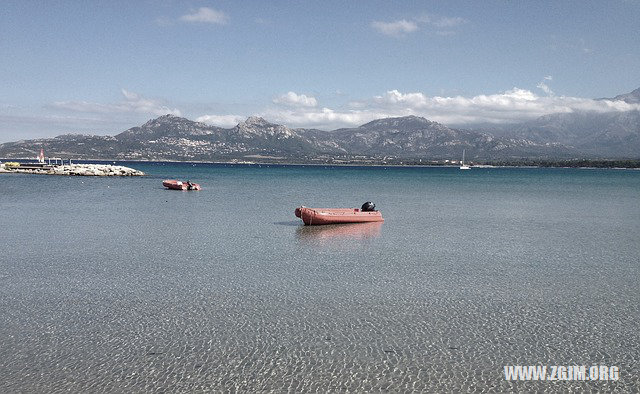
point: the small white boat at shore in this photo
(462, 165)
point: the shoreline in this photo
(633, 164)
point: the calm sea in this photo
(118, 285)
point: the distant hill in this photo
(174, 138)
(589, 134)
(611, 135)
(415, 137)
(168, 137)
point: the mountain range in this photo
(591, 134)
(168, 137)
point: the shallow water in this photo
(115, 284)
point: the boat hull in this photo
(174, 184)
(320, 216)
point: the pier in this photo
(69, 169)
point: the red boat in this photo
(180, 185)
(315, 216)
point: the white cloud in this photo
(445, 25)
(296, 100)
(221, 120)
(357, 104)
(394, 97)
(514, 105)
(448, 22)
(140, 104)
(395, 29)
(511, 106)
(132, 102)
(298, 110)
(206, 15)
(545, 88)
(325, 118)
(322, 117)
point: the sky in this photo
(102, 67)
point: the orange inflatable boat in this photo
(180, 185)
(316, 216)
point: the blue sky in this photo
(102, 67)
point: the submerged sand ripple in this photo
(113, 290)
(230, 339)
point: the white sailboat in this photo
(462, 165)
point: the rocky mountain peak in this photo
(164, 120)
(255, 125)
(166, 125)
(169, 116)
(632, 98)
(256, 121)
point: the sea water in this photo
(118, 285)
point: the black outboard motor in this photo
(368, 207)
